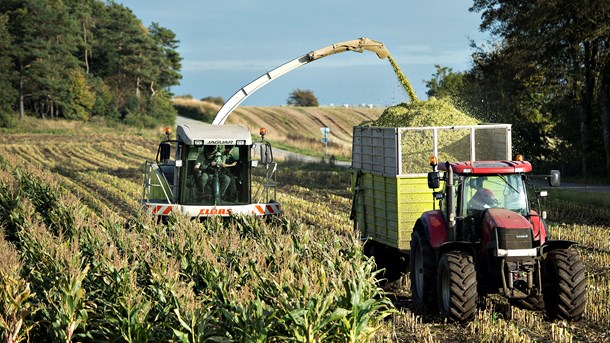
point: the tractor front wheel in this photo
(457, 286)
(564, 294)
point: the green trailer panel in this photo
(388, 207)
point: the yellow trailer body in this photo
(389, 207)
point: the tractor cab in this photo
(211, 170)
(481, 185)
(472, 188)
(495, 184)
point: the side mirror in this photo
(554, 178)
(266, 153)
(164, 152)
(434, 180)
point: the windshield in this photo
(215, 175)
(494, 191)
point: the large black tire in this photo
(422, 266)
(457, 286)
(565, 285)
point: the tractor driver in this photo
(208, 164)
(483, 197)
(230, 163)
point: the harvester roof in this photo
(488, 167)
(213, 134)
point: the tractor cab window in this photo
(494, 191)
(216, 175)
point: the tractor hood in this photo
(505, 219)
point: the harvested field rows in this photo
(73, 235)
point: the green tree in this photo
(302, 97)
(167, 58)
(79, 98)
(8, 95)
(218, 100)
(560, 50)
(122, 45)
(43, 53)
(445, 83)
(85, 13)
(135, 62)
(77, 58)
(105, 104)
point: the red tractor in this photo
(484, 238)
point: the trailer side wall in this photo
(387, 207)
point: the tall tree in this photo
(167, 58)
(7, 93)
(559, 46)
(68, 57)
(445, 82)
(125, 57)
(43, 51)
(302, 97)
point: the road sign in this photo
(325, 139)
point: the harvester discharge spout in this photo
(357, 45)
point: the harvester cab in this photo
(211, 170)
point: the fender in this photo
(459, 246)
(539, 227)
(555, 244)
(435, 227)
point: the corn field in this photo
(80, 262)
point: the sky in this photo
(227, 44)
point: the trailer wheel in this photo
(564, 294)
(387, 261)
(457, 286)
(422, 265)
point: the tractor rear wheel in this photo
(422, 266)
(564, 295)
(457, 286)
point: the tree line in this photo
(80, 58)
(546, 70)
